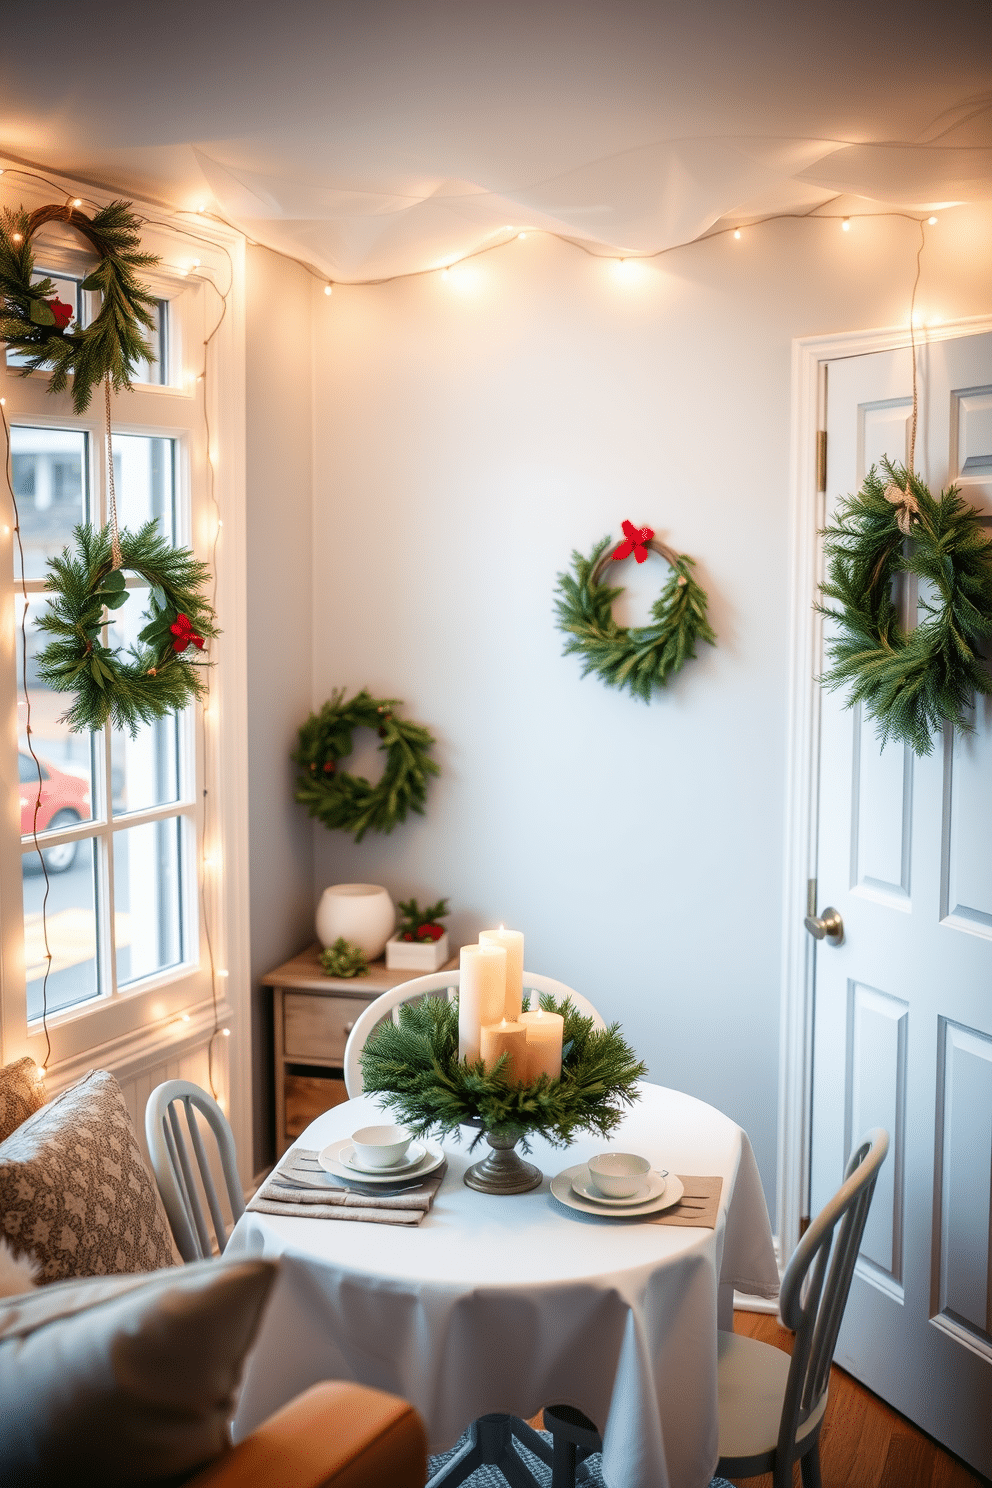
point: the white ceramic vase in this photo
(362, 913)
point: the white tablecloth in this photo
(511, 1304)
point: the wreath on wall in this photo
(349, 803)
(640, 658)
(910, 682)
(36, 322)
(162, 673)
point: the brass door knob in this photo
(828, 926)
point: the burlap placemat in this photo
(698, 1206)
(299, 1188)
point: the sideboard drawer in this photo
(318, 1027)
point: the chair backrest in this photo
(173, 1159)
(816, 1284)
(388, 1006)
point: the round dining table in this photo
(512, 1303)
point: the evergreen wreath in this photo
(910, 682)
(160, 677)
(640, 658)
(35, 321)
(413, 1065)
(349, 803)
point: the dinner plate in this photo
(330, 1160)
(414, 1154)
(561, 1187)
(652, 1188)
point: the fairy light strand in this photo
(8, 471)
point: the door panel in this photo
(902, 1032)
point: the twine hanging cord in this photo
(908, 506)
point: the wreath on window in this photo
(163, 673)
(36, 322)
(910, 682)
(349, 803)
(640, 658)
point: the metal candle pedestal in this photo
(503, 1171)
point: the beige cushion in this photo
(75, 1193)
(125, 1379)
(21, 1094)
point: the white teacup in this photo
(618, 1175)
(380, 1146)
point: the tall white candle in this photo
(512, 942)
(481, 993)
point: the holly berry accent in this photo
(61, 313)
(422, 924)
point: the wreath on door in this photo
(910, 681)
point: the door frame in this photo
(810, 356)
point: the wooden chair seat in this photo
(751, 1381)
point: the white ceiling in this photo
(377, 137)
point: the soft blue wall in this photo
(469, 434)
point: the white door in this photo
(903, 1006)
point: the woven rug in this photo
(491, 1477)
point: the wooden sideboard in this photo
(312, 1016)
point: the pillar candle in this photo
(545, 1032)
(506, 1038)
(481, 994)
(512, 942)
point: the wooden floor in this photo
(864, 1442)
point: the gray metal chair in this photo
(771, 1405)
(183, 1170)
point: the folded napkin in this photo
(300, 1188)
(698, 1206)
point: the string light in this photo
(737, 233)
(932, 221)
(226, 1032)
(78, 202)
(328, 289)
(846, 225)
(521, 236)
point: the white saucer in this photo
(652, 1188)
(330, 1160)
(561, 1187)
(414, 1154)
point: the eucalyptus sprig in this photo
(413, 1066)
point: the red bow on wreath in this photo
(184, 633)
(637, 539)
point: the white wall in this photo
(469, 434)
(280, 641)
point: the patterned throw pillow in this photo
(21, 1094)
(75, 1193)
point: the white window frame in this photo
(174, 1005)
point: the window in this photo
(118, 820)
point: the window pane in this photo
(148, 892)
(71, 914)
(50, 483)
(67, 290)
(146, 769)
(155, 371)
(144, 481)
(67, 760)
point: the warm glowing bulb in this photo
(220, 521)
(846, 225)
(521, 236)
(328, 289)
(737, 233)
(224, 972)
(932, 221)
(16, 237)
(201, 209)
(3, 402)
(6, 531)
(226, 1032)
(78, 202)
(185, 1018)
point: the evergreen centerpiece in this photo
(413, 1066)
